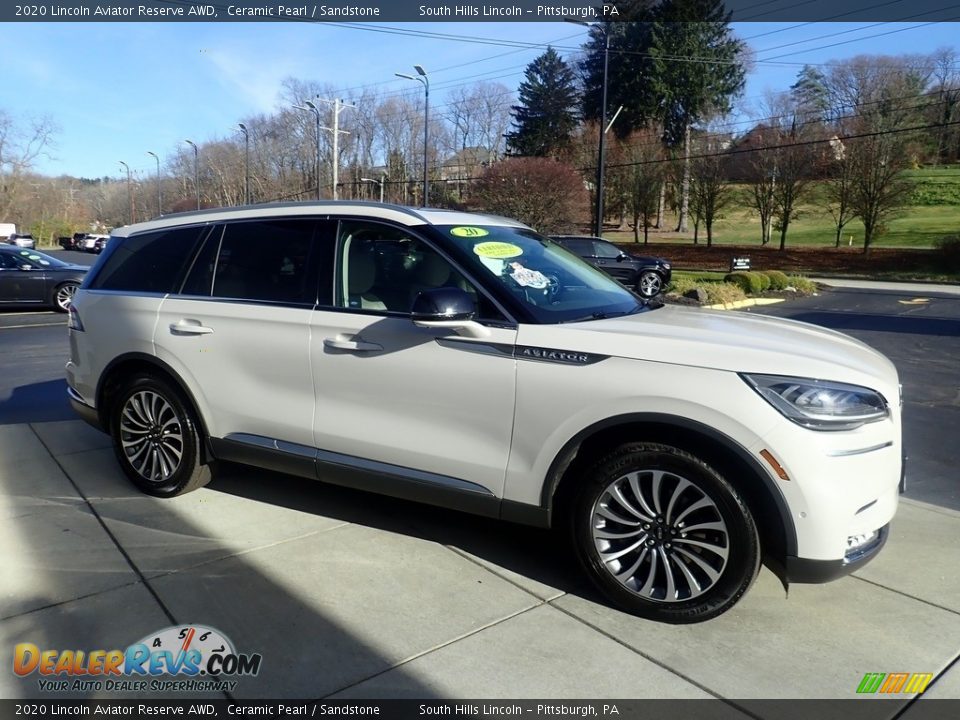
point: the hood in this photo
(725, 340)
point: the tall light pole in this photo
(196, 168)
(310, 107)
(338, 106)
(159, 196)
(129, 189)
(246, 163)
(424, 79)
(379, 182)
(598, 209)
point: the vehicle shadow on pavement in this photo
(539, 560)
(36, 403)
(91, 563)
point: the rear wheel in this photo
(63, 296)
(155, 438)
(663, 535)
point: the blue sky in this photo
(118, 90)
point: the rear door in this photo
(240, 328)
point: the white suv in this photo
(466, 361)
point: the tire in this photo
(649, 284)
(664, 536)
(156, 438)
(63, 295)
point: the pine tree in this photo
(547, 114)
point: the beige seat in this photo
(361, 276)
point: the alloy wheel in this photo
(660, 536)
(151, 436)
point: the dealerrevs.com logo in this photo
(187, 658)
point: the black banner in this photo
(918, 11)
(855, 709)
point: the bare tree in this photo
(710, 191)
(883, 94)
(19, 149)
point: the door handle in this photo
(339, 343)
(189, 327)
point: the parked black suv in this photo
(648, 275)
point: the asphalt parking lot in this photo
(347, 594)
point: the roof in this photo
(383, 211)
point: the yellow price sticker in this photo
(498, 250)
(468, 232)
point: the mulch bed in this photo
(810, 260)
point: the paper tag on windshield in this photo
(525, 277)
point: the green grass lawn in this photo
(935, 213)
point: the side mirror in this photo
(447, 307)
(622, 256)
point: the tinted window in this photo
(605, 250)
(150, 263)
(579, 247)
(384, 268)
(265, 261)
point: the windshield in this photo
(38, 259)
(552, 283)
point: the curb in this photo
(743, 303)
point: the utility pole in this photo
(338, 106)
(129, 189)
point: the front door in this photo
(423, 404)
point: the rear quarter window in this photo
(152, 262)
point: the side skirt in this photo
(373, 476)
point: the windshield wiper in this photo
(598, 316)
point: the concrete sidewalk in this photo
(920, 288)
(347, 594)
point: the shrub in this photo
(748, 282)
(722, 293)
(764, 281)
(948, 248)
(802, 284)
(778, 280)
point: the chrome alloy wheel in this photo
(650, 284)
(64, 296)
(151, 436)
(660, 536)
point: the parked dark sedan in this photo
(647, 275)
(28, 277)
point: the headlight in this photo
(820, 404)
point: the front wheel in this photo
(649, 284)
(663, 535)
(156, 439)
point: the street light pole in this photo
(598, 208)
(424, 79)
(129, 189)
(310, 107)
(246, 163)
(378, 182)
(196, 168)
(159, 196)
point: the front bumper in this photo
(803, 570)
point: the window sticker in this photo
(465, 231)
(525, 277)
(497, 250)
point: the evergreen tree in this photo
(810, 94)
(547, 114)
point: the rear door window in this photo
(152, 262)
